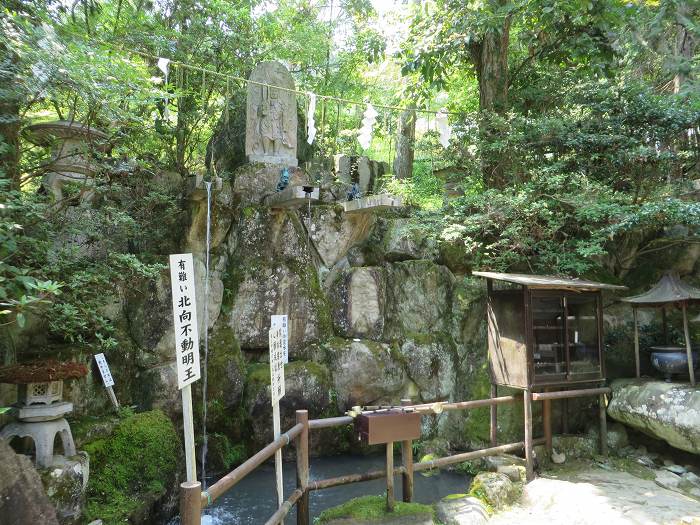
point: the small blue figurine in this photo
(354, 192)
(284, 179)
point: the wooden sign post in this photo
(186, 346)
(278, 343)
(107, 379)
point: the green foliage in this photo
(130, 467)
(372, 508)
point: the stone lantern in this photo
(71, 144)
(40, 409)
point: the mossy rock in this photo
(133, 470)
(372, 509)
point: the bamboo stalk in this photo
(236, 475)
(190, 503)
(527, 406)
(351, 478)
(284, 509)
(493, 429)
(302, 445)
(315, 424)
(603, 425)
(407, 462)
(390, 476)
(636, 340)
(565, 394)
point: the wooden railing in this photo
(193, 500)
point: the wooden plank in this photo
(547, 423)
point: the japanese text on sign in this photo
(185, 319)
(101, 361)
(281, 320)
(276, 336)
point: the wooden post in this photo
(407, 460)
(188, 429)
(190, 503)
(547, 423)
(603, 425)
(527, 406)
(302, 444)
(636, 340)
(390, 476)
(688, 348)
(494, 416)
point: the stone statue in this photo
(271, 123)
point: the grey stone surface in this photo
(667, 411)
(65, 483)
(496, 488)
(23, 500)
(430, 364)
(334, 233)
(594, 496)
(271, 125)
(465, 510)
(358, 297)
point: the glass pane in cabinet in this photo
(583, 334)
(548, 330)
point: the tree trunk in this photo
(405, 141)
(684, 49)
(490, 58)
(9, 118)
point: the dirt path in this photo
(594, 496)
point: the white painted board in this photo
(282, 320)
(185, 319)
(101, 361)
(276, 336)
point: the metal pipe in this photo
(236, 475)
(565, 394)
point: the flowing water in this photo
(254, 500)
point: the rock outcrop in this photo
(22, 496)
(667, 411)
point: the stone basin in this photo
(672, 359)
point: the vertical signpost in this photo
(186, 346)
(281, 320)
(107, 379)
(278, 345)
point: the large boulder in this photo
(430, 364)
(460, 509)
(65, 483)
(495, 489)
(271, 271)
(308, 387)
(667, 411)
(22, 496)
(358, 298)
(333, 232)
(419, 299)
(406, 239)
(365, 373)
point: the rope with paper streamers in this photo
(165, 63)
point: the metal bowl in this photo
(670, 360)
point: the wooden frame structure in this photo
(534, 328)
(193, 500)
(669, 291)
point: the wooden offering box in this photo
(376, 428)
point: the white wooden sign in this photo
(101, 361)
(185, 319)
(276, 341)
(281, 320)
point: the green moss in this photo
(477, 491)
(372, 508)
(259, 373)
(451, 497)
(633, 467)
(132, 467)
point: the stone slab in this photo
(372, 203)
(292, 197)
